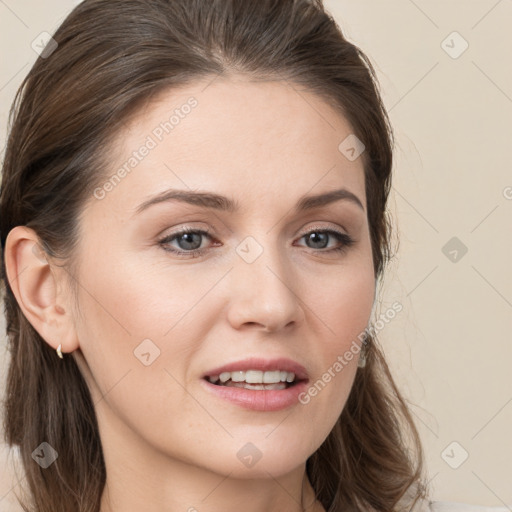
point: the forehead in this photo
(257, 141)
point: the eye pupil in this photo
(319, 237)
(189, 239)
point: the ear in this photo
(37, 285)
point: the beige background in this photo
(450, 348)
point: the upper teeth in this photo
(254, 377)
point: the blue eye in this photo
(322, 235)
(189, 237)
(190, 240)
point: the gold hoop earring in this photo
(59, 352)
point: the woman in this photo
(193, 229)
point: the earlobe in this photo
(35, 285)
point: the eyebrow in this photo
(223, 203)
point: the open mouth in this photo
(255, 379)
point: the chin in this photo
(262, 458)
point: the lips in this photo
(253, 383)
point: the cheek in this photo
(342, 313)
(129, 301)
(343, 303)
(120, 312)
(351, 307)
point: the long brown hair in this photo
(111, 57)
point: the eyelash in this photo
(346, 240)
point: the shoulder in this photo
(454, 506)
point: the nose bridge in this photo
(264, 285)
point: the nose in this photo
(264, 293)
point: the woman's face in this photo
(258, 295)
